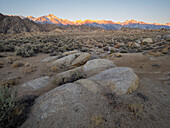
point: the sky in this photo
(152, 11)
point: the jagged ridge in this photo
(51, 19)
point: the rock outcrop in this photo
(80, 101)
(70, 106)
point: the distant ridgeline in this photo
(18, 24)
(51, 19)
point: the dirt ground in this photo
(147, 107)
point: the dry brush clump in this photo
(27, 45)
(7, 105)
(1, 65)
(12, 59)
(17, 64)
(26, 50)
(10, 82)
(13, 111)
(30, 69)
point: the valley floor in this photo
(146, 107)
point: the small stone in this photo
(137, 45)
(147, 40)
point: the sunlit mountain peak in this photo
(52, 19)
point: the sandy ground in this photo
(154, 83)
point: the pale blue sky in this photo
(116, 10)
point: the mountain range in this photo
(52, 19)
(18, 24)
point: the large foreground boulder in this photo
(84, 103)
(83, 71)
(121, 80)
(70, 106)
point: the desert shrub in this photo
(123, 51)
(1, 48)
(106, 49)
(136, 108)
(47, 47)
(14, 111)
(9, 48)
(9, 82)
(30, 69)
(7, 105)
(26, 50)
(1, 65)
(54, 68)
(77, 75)
(84, 50)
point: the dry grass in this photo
(9, 82)
(54, 68)
(30, 69)
(17, 64)
(12, 59)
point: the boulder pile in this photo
(79, 100)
